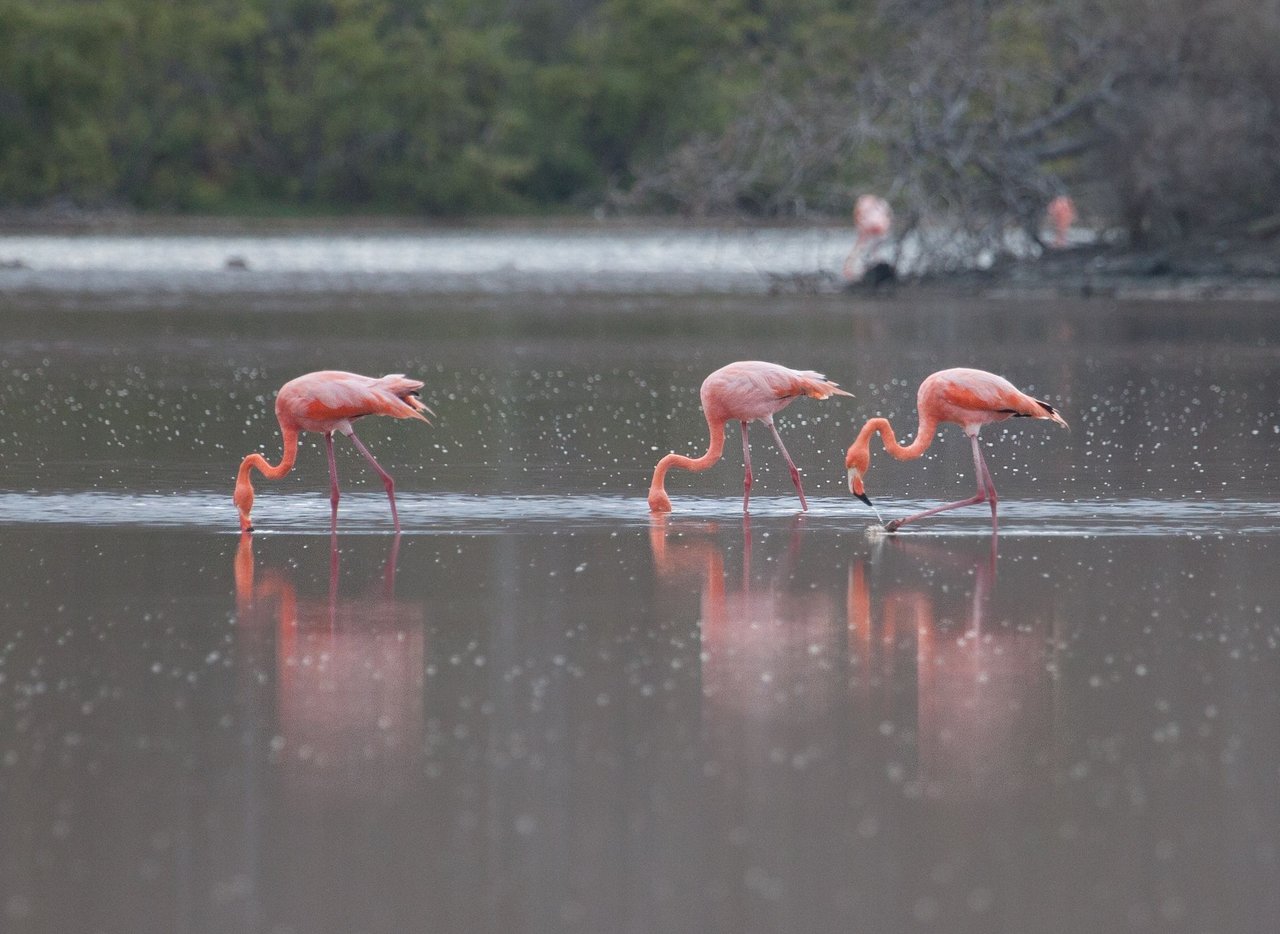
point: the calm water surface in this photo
(540, 709)
(599, 259)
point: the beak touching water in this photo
(855, 486)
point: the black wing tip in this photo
(1040, 402)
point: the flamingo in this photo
(329, 401)
(968, 398)
(1062, 214)
(873, 217)
(746, 391)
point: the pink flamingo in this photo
(1062, 214)
(872, 217)
(329, 401)
(970, 399)
(747, 391)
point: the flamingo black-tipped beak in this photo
(855, 486)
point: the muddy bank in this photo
(1243, 268)
(115, 252)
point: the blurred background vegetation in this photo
(1161, 116)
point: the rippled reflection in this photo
(759, 639)
(983, 700)
(348, 676)
(922, 660)
(561, 717)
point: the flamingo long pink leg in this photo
(333, 576)
(746, 466)
(795, 474)
(986, 490)
(333, 480)
(988, 483)
(387, 481)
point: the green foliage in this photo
(61, 67)
(442, 106)
(764, 106)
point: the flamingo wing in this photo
(970, 396)
(752, 390)
(331, 396)
(328, 398)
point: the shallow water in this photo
(538, 708)
(582, 260)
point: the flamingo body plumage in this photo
(966, 397)
(327, 401)
(746, 391)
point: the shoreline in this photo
(1236, 269)
(1241, 267)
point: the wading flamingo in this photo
(329, 401)
(872, 217)
(746, 391)
(970, 399)
(1062, 214)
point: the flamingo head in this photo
(856, 462)
(243, 498)
(659, 502)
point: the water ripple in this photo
(658, 260)
(427, 513)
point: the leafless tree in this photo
(1165, 114)
(1190, 140)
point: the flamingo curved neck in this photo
(715, 448)
(243, 497)
(924, 437)
(287, 459)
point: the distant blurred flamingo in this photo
(968, 398)
(1062, 214)
(329, 401)
(747, 391)
(872, 217)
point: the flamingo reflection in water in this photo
(884, 680)
(348, 676)
(773, 712)
(758, 639)
(903, 663)
(983, 705)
